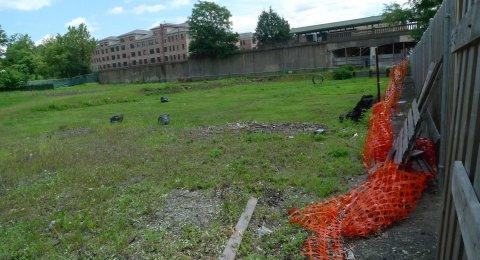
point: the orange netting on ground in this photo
(388, 195)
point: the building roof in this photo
(135, 32)
(245, 35)
(338, 25)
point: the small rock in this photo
(51, 225)
(164, 99)
(319, 131)
(290, 137)
(116, 119)
(404, 252)
(262, 231)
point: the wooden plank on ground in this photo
(467, 207)
(234, 242)
(416, 113)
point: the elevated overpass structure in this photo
(353, 42)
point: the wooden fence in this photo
(453, 39)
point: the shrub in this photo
(342, 73)
(348, 67)
(12, 79)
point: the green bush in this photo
(12, 79)
(348, 67)
(342, 73)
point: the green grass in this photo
(74, 185)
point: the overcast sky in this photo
(41, 18)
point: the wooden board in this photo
(234, 242)
(467, 208)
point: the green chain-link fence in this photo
(58, 83)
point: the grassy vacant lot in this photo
(74, 185)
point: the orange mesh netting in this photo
(388, 195)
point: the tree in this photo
(271, 28)
(419, 11)
(211, 31)
(20, 55)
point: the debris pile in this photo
(388, 195)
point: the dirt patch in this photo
(288, 129)
(183, 207)
(71, 132)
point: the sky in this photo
(44, 18)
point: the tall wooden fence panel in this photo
(453, 38)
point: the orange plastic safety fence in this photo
(388, 195)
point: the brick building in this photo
(161, 44)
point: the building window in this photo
(103, 52)
(144, 52)
(131, 38)
(106, 50)
(152, 51)
(143, 44)
(114, 65)
(178, 56)
(139, 53)
(159, 59)
(165, 49)
(132, 46)
(119, 64)
(113, 57)
(169, 48)
(132, 54)
(125, 64)
(118, 56)
(171, 57)
(108, 65)
(166, 58)
(145, 61)
(183, 46)
(122, 40)
(158, 50)
(103, 58)
(124, 55)
(117, 48)
(123, 47)
(152, 60)
(134, 62)
(181, 36)
(140, 62)
(108, 58)
(184, 56)
(112, 49)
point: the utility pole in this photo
(378, 74)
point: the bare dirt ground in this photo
(289, 129)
